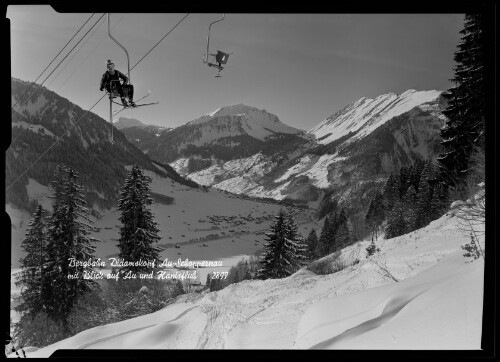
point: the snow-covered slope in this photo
(365, 115)
(437, 304)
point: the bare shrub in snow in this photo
(383, 269)
(472, 212)
(329, 265)
(472, 249)
(372, 249)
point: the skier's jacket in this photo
(107, 78)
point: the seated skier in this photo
(221, 58)
(114, 75)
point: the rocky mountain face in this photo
(83, 143)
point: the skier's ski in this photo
(136, 106)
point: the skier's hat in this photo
(108, 62)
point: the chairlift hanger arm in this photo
(208, 37)
(121, 46)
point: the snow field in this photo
(437, 304)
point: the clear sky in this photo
(300, 67)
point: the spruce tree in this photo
(285, 249)
(396, 223)
(296, 247)
(275, 239)
(31, 276)
(375, 215)
(342, 234)
(333, 225)
(391, 191)
(138, 231)
(410, 209)
(55, 244)
(464, 127)
(312, 244)
(324, 239)
(417, 169)
(423, 214)
(439, 200)
(69, 242)
(404, 181)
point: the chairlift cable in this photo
(15, 139)
(73, 56)
(154, 46)
(32, 83)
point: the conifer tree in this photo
(138, 231)
(342, 234)
(396, 223)
(331, 238)
(324, 239)
(275, 239)
(55, 239)
(391, 192)
(375, 215)
(415, 174)
(464, 127)
(423, 207)
(410, 209)
(296, 245)
(285, 248)
(312, 244)
(404, 181)
(439, 198)
(30, 281)
(68, 240)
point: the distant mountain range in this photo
(240, 149)
(347, 156)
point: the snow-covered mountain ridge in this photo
(365, 115)
(437, 304)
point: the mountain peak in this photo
(244, 119)
(236, 109)
(124, 122)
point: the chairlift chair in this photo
(220, 57)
